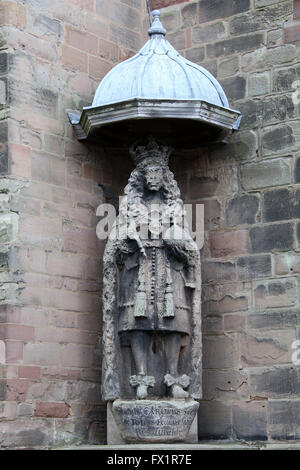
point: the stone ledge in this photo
(212, 445)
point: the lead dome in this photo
(158, 71)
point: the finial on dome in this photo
(156, 27)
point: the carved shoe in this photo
(142, 392)
(142, 382)
(178, 392)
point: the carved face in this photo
(154, 178)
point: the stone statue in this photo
(152, 288)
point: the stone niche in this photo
(152, 347)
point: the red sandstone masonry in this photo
(53, 218)
(165, 3)
(292, 32)
(296, 9)
(29, 372)
(224, 244)
(52, 410)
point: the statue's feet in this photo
(177, 385)
(178, 392)
(142, 392)
(142, 382)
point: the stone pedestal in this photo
(147, 421)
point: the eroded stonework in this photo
(152, 295)
(154, 421)
(152, 286)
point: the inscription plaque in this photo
(154, 420)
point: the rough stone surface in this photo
(52, 56)
(242, 210)
(263, 174)
(284, 419)
(250, 421)
(271, 237)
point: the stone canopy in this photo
(159, 92)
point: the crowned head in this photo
(149, 152)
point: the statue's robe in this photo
(158, 291)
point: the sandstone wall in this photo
(250, 189)
(53, 54)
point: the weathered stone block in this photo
(4, 62)
(277, 139)
(261, 19)
(74, 59)
(263, 3)
(214, 421)
(298, 231)
(224, 385)
(123, 15)
(234, 87)
(189, 14)
(242, 210)
(274, 37)
(287, 263)
(263, 58)
(284, 419)
(277, 293)
(276, 382)
(220, 351)
(228, 243)
(213, 9)
(228, 304)
(47, 168)
(267, 238)
(211, 66)
(296, 9)
(283, 79)
(281, 204)
(228, 67)
(213, 182)
(41, 99)
(254, 267)
(234, 323)
(171, 19)
(41, 354)
(259, 112)
(196, 54)
(209, 33)
(215, 271)
(43, 26)
(24, 433)
(259, 84)
(236, 44)
(124, 37)
(249, 421)
(267, 173)
(213, 324)
(2, 389)
(212, 214)
(178, 40)
(4, 147)
(52, 410)
(271, 319)
(262, 348)
(297, 171)
(292, 33)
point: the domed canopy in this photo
(157, 92)
(158, 71)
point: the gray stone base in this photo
(132, 421)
